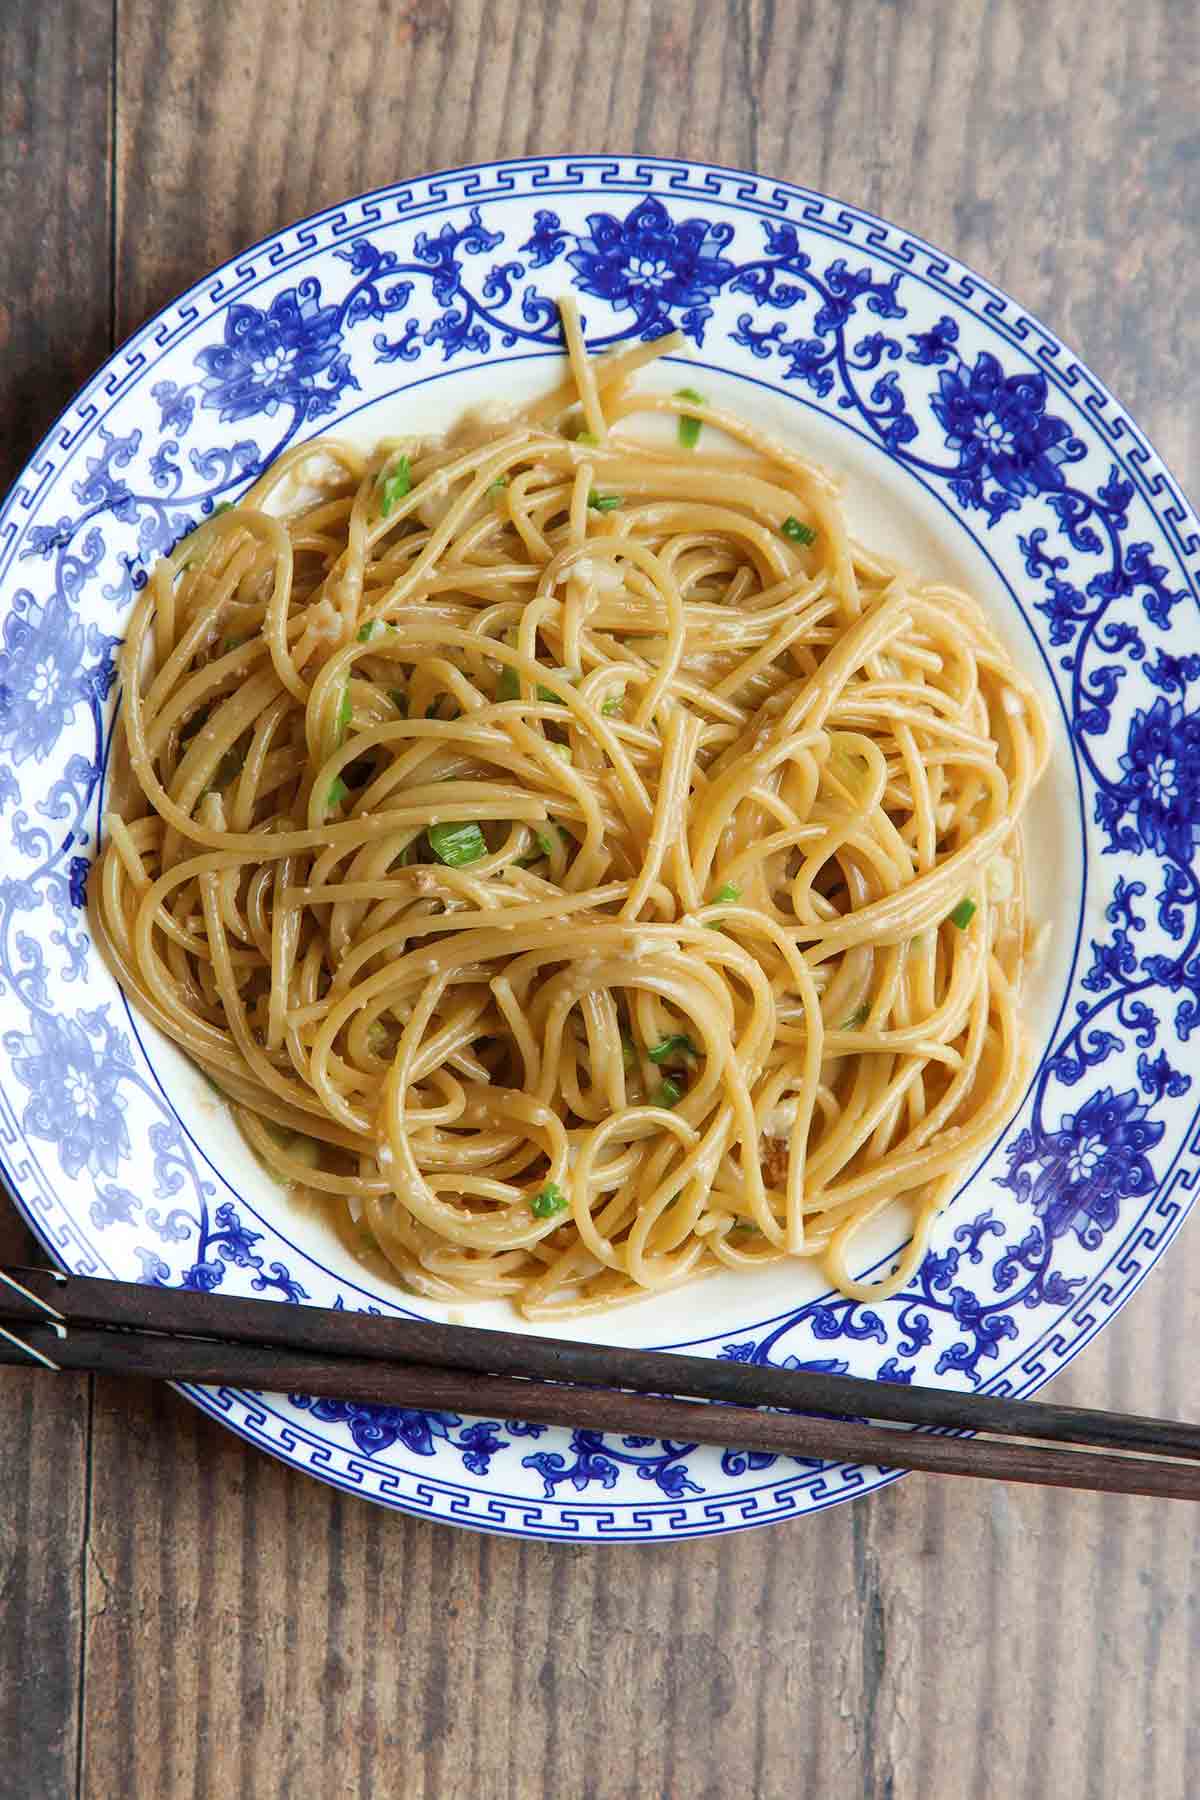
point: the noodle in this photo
(581, 865)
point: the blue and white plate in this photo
(971, 442)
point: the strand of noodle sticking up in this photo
(581, 865)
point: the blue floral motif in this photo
(76, 1102)
(1162, 778)
(1095, 1159)
(655, 267)
(595, 1459)
(41, 659)
(275, 358)
(999, 426)
(375, 1429)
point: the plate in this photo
(971, 441)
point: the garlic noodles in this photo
(580, 864)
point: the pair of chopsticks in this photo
(72, 1322)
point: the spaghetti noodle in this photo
(578, 861)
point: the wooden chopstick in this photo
(177, 1335)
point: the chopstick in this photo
(178, 1335)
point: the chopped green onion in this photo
(858, 1017)
(344, 712)
(797, 531)
(613, 709)
(963, 913)
(549, 696)
(667, 1093)
(551, 1200)
(455, 845)
(337, 794)
(628, 1052)
(689, 428)
(603, 503)
(588, 439)
(372, 629)
(500, 483)
(399, 700)
(509, 686)
(222, 506)
(544, 842)
(397, 484)
(726, 894)
(714, 925)
(234, 643)
(677, 1043)
(562, 751)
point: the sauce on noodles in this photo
(580, 863)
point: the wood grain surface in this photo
(180, 1616)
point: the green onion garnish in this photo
(551, 1200)
(222, 506)
(233, 643)
(858, 1017)
(455, 845)
(549, 696)
(678, 1043)
(544, 842)
(509, 686)
(603, 503)
(613, 709)
(963, 913)
(726, 894)
(337, 793)
(628, 1052)
(562, 751)
(797, 531)
(500, 482)
(397, 484)
(372, 629)
(587, 438)
(667, 1093)
(689, 428)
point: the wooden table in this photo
(180, 1616)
